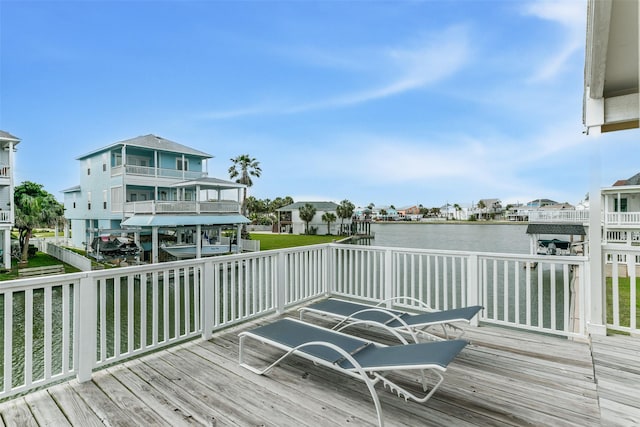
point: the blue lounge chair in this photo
(405, 322)
(356, 357)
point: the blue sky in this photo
(384, 102)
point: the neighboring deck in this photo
(505, 377)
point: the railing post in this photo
(473, 284)
(329, 269)
(280, 282)
(388, 275)
(87, 328)
(596, 308)
(208, 300)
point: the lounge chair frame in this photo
(349, 362)
(391, 315)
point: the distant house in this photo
(539, 203)
(385, 213)
(488, 209)
(409, 213)
(8, 144)
(152, 188)
(558, 207)
(289, 220)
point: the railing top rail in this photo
(499, 255)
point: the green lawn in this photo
(625, 301)
(39, 260)
(280, 241)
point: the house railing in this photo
(157, 172)
(575, 216)
(63, 326)
(623, 218)
(5, 216)
(168, 207)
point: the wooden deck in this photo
(504, 377)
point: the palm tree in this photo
(243, 168)
(307, 212)
(328, 217)
(458, 209)
(34, 207)
(345, 210)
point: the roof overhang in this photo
(552, 228)
(183, 220)
(208, 184)
(611, 99)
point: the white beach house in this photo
(8, 144)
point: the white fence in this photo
(68, 325)
(65, 255)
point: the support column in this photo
(596, 298)
(6, 253)
(154, 245)
(198, 241)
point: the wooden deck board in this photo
(504, 378)
(617, 371)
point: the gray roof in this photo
(151, 142)
(549, 228)
(212, 183)
(8, 137)
(634, 180)
(320, 206)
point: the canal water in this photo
(468, 237)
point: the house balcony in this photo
(151, 172)
(5, 174)
(568, 216)
(95, 329)
(623, 219)
(181, 207)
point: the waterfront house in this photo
(488, 209)
(621, 207)
(8, 145)
(153, 189)
(410, 213)
(385, 213)
(289, 220)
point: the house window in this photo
(88, 166)
(89, 200)
(182, 164)
(623, 205)
(104, 199)
(104, 162)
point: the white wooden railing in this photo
(169, 207)
(570, 215)
(69, 325)
(621, 273)
(147, 171)
(623, 218)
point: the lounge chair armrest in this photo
(392, 331)
(421, 303)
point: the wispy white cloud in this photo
(571, 15)
(423, 63)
